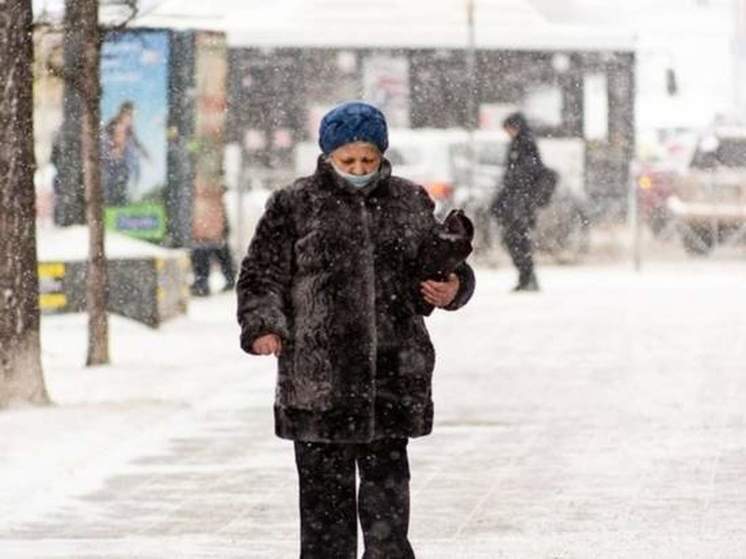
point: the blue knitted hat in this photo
(354, 121)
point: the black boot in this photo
(199, 289)
(528, 283)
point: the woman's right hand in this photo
(268, 344)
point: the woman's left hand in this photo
(440, 293)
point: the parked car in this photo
(708, 201)
(656, 172)
(654, 182)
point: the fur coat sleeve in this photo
(466, 287)
(265, 275)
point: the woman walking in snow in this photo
(333, 286)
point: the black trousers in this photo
(201, 264)
(329, 508)
(517, 239)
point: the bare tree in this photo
(83, 32)
(82, 28)
(82, 39)
(21, 378)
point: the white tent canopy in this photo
(514, 24)
(517, 24)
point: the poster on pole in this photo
(134, 115)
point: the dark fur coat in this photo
(334, 272)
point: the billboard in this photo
(134, 113)
(206, 146)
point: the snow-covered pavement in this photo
(603, 417)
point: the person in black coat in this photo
(201, 257)
(515, 207)
(333, 286)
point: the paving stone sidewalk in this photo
(604, 417)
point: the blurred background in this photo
(639, 108)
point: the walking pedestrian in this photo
(202, 254)
(515, 206)
(332, 285)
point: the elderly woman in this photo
(332, 285)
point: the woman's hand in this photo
(440, 293)
(269, 344)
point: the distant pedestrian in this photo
(335, 284)
(202, 254)
(55, 158)
(515, 205)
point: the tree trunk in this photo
(21, 378)
(70, 200)
(85, 15)
(96, 292)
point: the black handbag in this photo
(448, 246)
(544, 187)
(499, 207)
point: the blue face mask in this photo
(358, 181)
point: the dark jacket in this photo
(333, 271)
(523, 166)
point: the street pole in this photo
(634, 218)
(739, 59)
(240, 219)
(471, 59)
(714, 225)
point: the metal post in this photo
(711, 194)
(739, 59)
(240, 219)
(471, 97)
(634, 220)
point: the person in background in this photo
(514, 206)
(332, 286)
(202, 255)
(55, 158)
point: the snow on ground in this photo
(71, 244)
(602, 417)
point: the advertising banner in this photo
(134, 113)
(211, 69)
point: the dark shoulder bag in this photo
(544, 187)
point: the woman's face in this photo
(358, 158)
